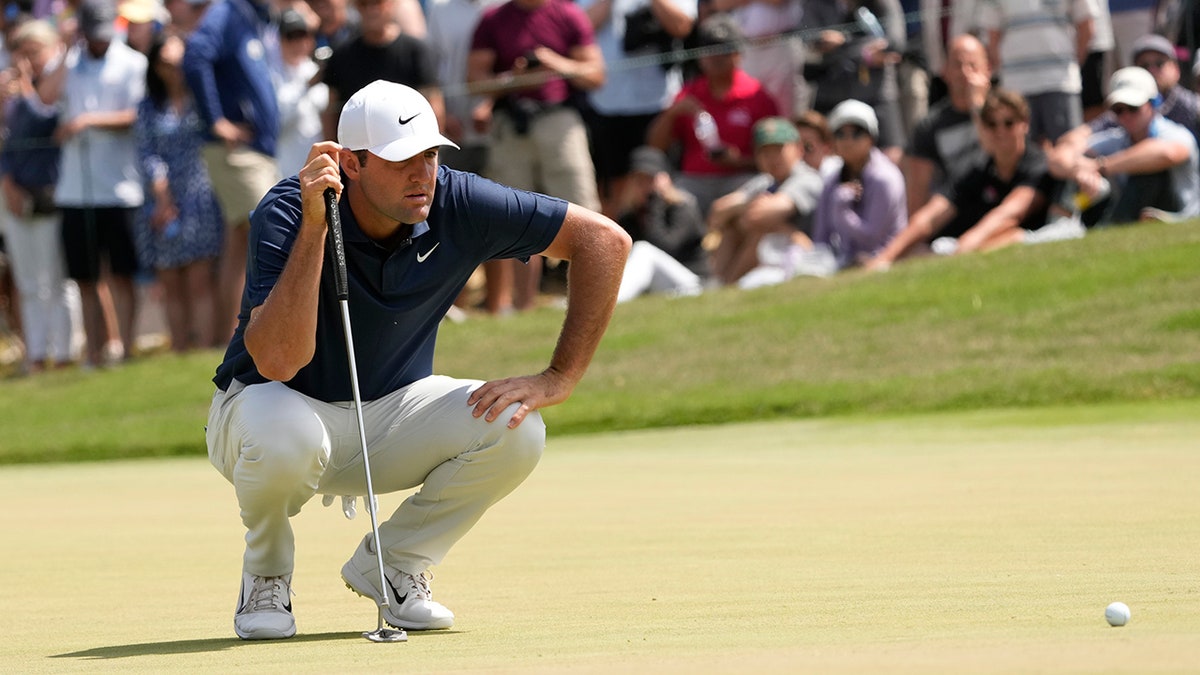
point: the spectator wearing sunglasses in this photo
(1156, 54)
(1148, 162)
(1004, 192)
(863, 206)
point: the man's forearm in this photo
(281, 335)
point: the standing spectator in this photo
(301, 103)
(228, 66)
(944, 143)
(29, 171)
(1094, 70)
(779, 200)
(1039, 45)
(667, 231)
(380, 52)
(631, 97)
(863, 207)
(775, 59)
(941, 22)
(142, 20)
(99, 189)
(1005, 193)
(542, 53)
(181, 228)
(185, 15)
(713, 117)
(860, 64)
(337, 24)
(451, 27)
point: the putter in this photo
(333, 220)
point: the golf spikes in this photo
(349, 504)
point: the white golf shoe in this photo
(411, 604)
(264, 610)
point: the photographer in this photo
(860, 63)
(527, 59)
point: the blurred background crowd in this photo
(740, 142)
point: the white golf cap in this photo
(854, 112)
(390, 120)
(1131, 86)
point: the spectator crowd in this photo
(739, 142)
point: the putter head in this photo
(386, 635)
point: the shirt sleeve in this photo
(203, 49)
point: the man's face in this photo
(374, 12)
(1164, 69)
(719, 65)
(966, 58)
(777, 159)
(1004, 131)
(1134, 120)
(398, 191)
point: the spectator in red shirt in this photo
(714, 162)
(527, 58)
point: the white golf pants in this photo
(279, 448)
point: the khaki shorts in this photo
(240, 178)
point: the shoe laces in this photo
(267, 594)
(420, 584)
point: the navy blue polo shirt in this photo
(397, 297)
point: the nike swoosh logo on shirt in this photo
(421, 258)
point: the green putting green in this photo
(967, 543)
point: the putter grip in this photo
(333, 220)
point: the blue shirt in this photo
(397, 297)
(227, 65)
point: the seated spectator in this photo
(817, 143)
(943, 145)
(863, 206)
(1147, 165)
(1156, 54)
(666, 228)
(714, 159)
(780, 199)
(1007, 189)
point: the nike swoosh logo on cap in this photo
(406, 121)
(421, 258)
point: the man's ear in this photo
(349, 163)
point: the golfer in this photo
(282, 426)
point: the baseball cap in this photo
(96, 19)
(857, 113)
(718, 30)
(650, 160)
(390, 120)
(1131, 86)
(292, 22)
(774, 131)
(1154, 43)
(140, 11)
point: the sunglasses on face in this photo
(1121, 109)
(1007, 123)
(1151, 64)
(849, 132)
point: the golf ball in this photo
(1117, 614)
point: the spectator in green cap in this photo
(778, 201)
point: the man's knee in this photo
(292, 453)
(523, 446)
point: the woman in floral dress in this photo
(181, 226)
